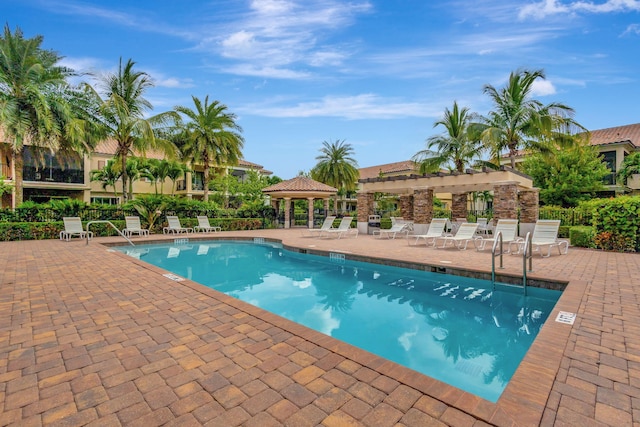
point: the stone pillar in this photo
(326, 207)
(528, 200)
(310, 214)
(459, 205)
(365, 208)
(406, 206)
(505, 201)
(422, 209)
(287, 212)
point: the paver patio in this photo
(93, 337)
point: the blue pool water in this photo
(451, 328)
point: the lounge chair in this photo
(326, 225)
(73, 227)
(545, 234)
(391, 233)
(134, 227)
(483, 227)
(175, 227)
(509, 230)
(436, 229)
(343, 229)
(466, 233)
(204, 226)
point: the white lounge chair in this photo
(545, 234)
(134, 227)
(343, 229)
(466, 233)
(483, 226)
(175, 226)
(73, 227)
(436, 229)
(327, 224)
(204, 226)
(509, 230)
(392, 232)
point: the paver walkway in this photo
(93, 337)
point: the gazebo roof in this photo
(300, 187)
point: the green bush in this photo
(10, 231)
(617, 222)
(564, 231)
(582, 236)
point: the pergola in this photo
(299, 188)
(513, 190)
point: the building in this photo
(47, 175)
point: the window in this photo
(105, 200)
(609, 159)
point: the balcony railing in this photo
(57, 175)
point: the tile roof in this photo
(300, 183)
(627, 133)
(110, 146)
(406, 166)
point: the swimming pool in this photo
(451, 328)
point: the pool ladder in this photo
(113, 226)
(498, 250)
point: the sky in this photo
(375, 74)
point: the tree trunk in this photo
(205, 179)
(125, 195)
(18, 164)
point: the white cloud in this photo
(546, 8)
(632, 29)
(542, 88)
(364, 106)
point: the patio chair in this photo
(509, 230)
(392, 232)
(343, 229)
(175, 226)
(326, 225)
(466, 233)
(545, 234)
(483, 227)
(134, 227)
(204, 226)
(436, 229)
(73, 227)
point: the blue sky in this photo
(375, 73)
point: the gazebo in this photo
(299, 188)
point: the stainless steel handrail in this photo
(497, 242)
(527, 253)
(111, 224)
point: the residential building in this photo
(49, 175)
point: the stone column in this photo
(406, 206)
(459, 205)
(326, 207)
(422, 209)
(287, 212)
(505, 201)
(528, 200)
(310, 214)
(365, 208)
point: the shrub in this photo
(617, 222)
(614, 242)
(581, 236)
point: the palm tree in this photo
(336, 167)
(519, 122)
(37, 105)
(123, 116)
(211, 136)
(108, 176)
(175, 171)
(455, 146)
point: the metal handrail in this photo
(496, 241)
(527, 253)
(111, 224)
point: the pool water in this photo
(455, 329)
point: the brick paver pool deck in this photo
(89, 336)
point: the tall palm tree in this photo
(211, 137)
(37, 105)
(519, 122)
(123, 112)
(336, 167)
(456, 146)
